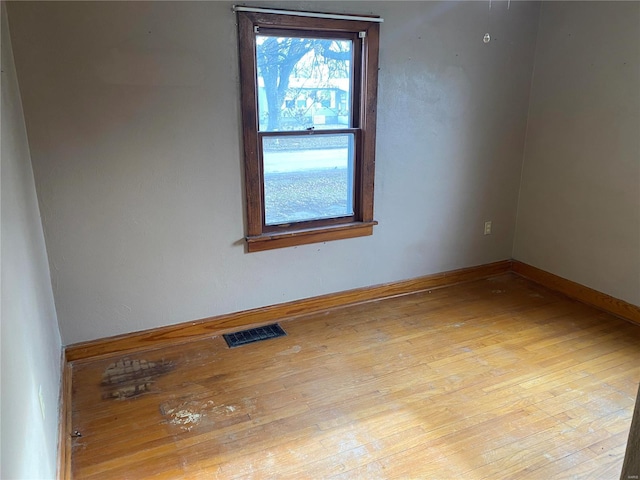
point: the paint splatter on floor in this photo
(191, 413)
(289, 351)
(186, 418)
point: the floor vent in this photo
(238, 339)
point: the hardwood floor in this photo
(497, 378)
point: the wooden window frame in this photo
(264, 237)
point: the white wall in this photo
(133, 116)
(579, 212)
(31, 343)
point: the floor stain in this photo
(128, 378)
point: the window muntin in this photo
(355, 44)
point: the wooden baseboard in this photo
(219, 324)
(587, 295)
(64, 422)
(195, 330)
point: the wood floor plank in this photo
(496, 378)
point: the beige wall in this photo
(579, 211)
(30, 342)
(133, 117)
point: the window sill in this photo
(271, 240)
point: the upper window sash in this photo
(334, 79)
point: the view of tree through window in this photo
(305, 84)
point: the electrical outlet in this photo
(41, 398)
(487, 228)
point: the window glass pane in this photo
(307, 177)
(303, 83)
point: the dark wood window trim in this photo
(263, 237)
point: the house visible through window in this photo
(309, 87)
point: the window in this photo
(309, 91)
